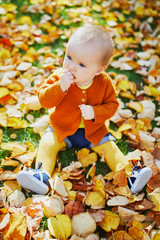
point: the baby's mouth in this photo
(74, 77)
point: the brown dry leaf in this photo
(17, 227)
(111, 221)
(73, 208)
(34, 215)
(86, 158)
(154, 182)
(120, 178)
(148, 159)
(142, 205)
(98, 215)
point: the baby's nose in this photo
(72, 67)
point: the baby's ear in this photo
(101, 69)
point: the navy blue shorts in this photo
(78, 139)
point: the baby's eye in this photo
(69, 57)
(82, 65)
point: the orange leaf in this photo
(120, 178)
(154, 182)
(121, 235)
(136, 233)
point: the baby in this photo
(82, 98)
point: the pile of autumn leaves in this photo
(79, 204)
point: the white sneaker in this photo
(139, 179)
(35, 180)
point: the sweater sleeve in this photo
(50, 93)
(109, 105)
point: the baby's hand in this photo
(66, 80)
(87, 111)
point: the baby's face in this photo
(83, 61)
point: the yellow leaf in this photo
(15, 86)
(10, 186)
(96, 7)
(3, 91)
(25, 20)
(140, 11)
(66, 22)
(60, 226)
(95, 199)
(9, 7)
(123, 85)
(124, 127)
(99, 186)
(3, 119)
(156, 236)
(110, 221)
(17, 227)
(68, 185)
(127, 94)
(147, 90)
(4, 54)
(137, 224)
(154, 91)
(9, 162)
(86, 158)
(116, 134)
(72, 195)
(92, 171)
(155, 198)
(136, 106)
(17, 123)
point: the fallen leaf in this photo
(111, 221)
(86, 158)
(17, 227)
(60, 226)
(95, 200)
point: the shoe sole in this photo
(141, 180)
(31, 183)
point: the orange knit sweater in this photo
(65, 116)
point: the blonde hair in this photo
(99, 35)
